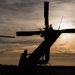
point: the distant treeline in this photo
(39, 70)
(7, 69)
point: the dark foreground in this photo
(44, 70)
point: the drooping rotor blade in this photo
(60, 22)
(67, 31)
(7, 36)
(28, 33)
(46, 14)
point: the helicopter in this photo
(49, 34)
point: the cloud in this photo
(66, 59)
(2, 1)
(17, 16)
(59, 8)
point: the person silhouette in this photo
(51, 28)
(23, 58)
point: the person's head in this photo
(25, 51)
(50, 25)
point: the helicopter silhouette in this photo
(49, 34)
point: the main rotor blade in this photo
(28, 33)
(7, 36)
(67, 31)
(46, 14)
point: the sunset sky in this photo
(28, 15)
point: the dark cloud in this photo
(63, 55)
(2, 1)
(21, 41)
(18, 16)
(66, 59)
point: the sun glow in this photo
(65, 25)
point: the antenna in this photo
(60, 22)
